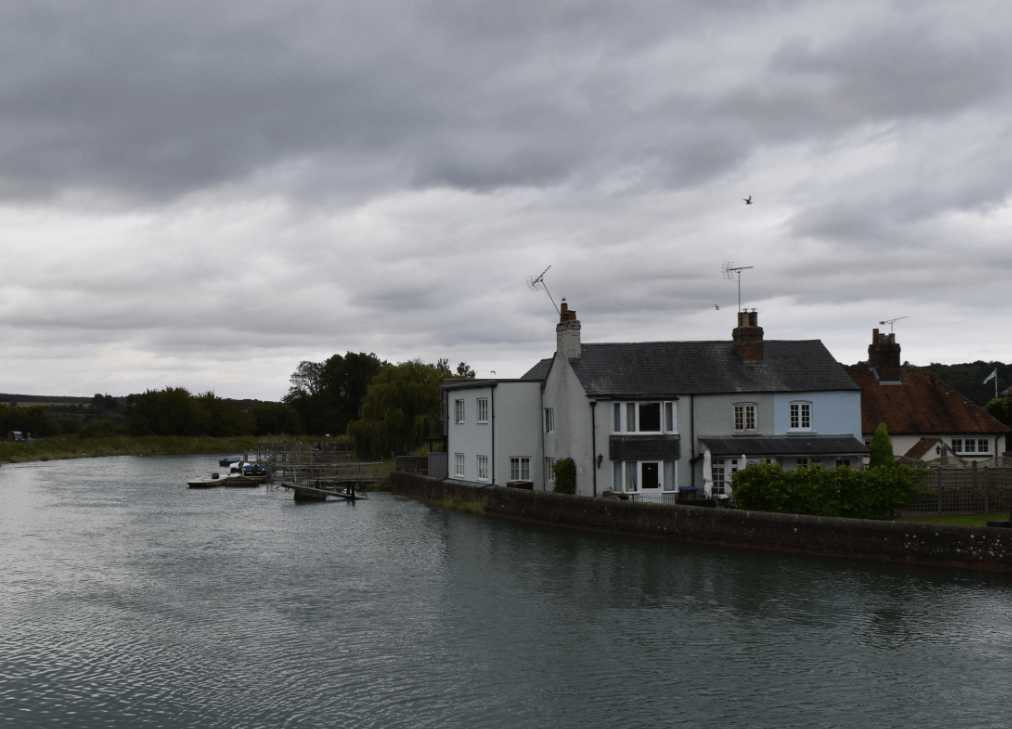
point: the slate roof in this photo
(539, 371)
(922, 405)
(664, 369)
(787, 445)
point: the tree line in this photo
(384, 407)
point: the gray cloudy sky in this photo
(204, 194)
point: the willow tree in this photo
(394, 409)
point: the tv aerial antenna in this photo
(730, 270)
(537, 283)
(890, 322)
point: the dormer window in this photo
(744, 417)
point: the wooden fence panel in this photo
(963, 491)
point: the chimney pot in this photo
(884, 357)
(748, 336)
(567, 333)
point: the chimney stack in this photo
(748, 336)
(884, 357)
(567, 333)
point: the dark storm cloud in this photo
(186, 184)
(157, 100)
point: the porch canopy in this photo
(786, 445)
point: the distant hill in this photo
(46, 399)
(71, 400)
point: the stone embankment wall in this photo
(957, 546)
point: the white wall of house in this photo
(902, 443)
(832, 413)
(511, 430)
(469, 438)
(572, 438)
(518, 429)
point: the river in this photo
(129, 600)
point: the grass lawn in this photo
(962, 520)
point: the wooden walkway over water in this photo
(315, 471)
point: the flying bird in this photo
(716, 307)
(492, 371)
(748, 200)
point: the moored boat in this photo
(206, 482)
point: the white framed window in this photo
(459, 464)
(632, 482)
(802, 462)
(520, 469)
(744, 417)
(483, 468)
(843, 462)
(649, 417)
(722, 472)
(458, 411)
(971, 445)
(637, 476)
(643, 417)
(550, 469)
(549, 420)
(482, 407)
(801, 416)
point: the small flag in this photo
(991, 376)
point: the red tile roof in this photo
(923, 404)
(922, 446)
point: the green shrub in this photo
(819, 491)
(880, 447)
(565, 476)
(100, 428)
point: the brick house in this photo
(926, 418)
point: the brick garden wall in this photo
(973, 547)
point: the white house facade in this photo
(492, 431)
(651, 419)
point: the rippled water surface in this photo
(128, 600)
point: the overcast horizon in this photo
(204, 195)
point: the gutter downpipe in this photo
(692, 438)
(492, 394)
(593, 442)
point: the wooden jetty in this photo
(315, 471)
(319, 491)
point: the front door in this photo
(651, 476)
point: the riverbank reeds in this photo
(49, 449)
(468, 507)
